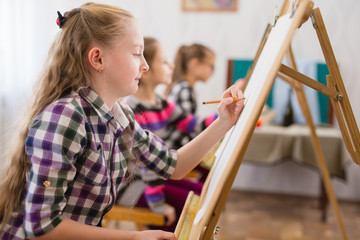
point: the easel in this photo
(339, 100)
(335, 90)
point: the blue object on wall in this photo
(322, 71)
(241, 66)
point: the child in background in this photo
(66, 164)
(192, 63)
(156, 113)
(170, 123)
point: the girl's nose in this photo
(144, 67)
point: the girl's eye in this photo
(137, 54)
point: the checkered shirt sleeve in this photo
(55, 140)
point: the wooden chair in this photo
(140, 216)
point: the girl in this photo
(192, 63)
(72, 152)
(167, 121)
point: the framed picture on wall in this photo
(209, 5)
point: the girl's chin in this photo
(134, 90)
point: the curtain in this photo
(24, 41)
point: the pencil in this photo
(218, 101)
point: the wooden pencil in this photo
(218, 101)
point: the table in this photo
(271, 144)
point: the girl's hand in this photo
(170, 214)
(229, 111)
(154, 235)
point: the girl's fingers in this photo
(239, 106)
(233, 91)
(169, 236)
(227, 100)
(225, 105)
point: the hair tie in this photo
(60, 21)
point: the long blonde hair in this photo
(183, 56)
(66, 70)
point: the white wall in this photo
(291, 178)
(28, 27)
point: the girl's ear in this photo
(95, 59)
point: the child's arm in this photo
(69, 229)
(192, 153)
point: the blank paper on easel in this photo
(258, 78)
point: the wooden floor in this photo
(261, 216)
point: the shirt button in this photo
(46, 184)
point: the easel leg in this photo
(323, 201)
(319, 156)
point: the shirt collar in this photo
(97, 103)
(102, 109)
(119, 115)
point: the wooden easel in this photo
(339, 100)
(335, 90)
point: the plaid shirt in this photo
(78, 151)
(184, 96)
